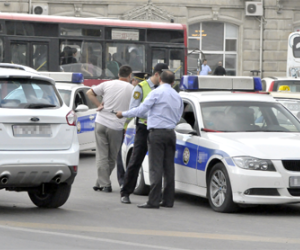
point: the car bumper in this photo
(262, 187)
(32, 168)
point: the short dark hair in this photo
(204, 60)
(167, 76)
(125, 71)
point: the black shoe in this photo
(125, 200)
(146, 205)
(162, 204)
(96, 188)
(107, 189)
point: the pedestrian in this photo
(137, 77)
(109, 129)
(164, 107)
(205, 69)
(140, 149)
(220, 71)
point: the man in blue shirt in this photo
(164, 107)
(205, 69)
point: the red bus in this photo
(95, 47)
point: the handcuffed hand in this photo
(119, 114)
(100, 107)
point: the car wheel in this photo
(51, 198)
(219, 190)
(141, 188)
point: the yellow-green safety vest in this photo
(146, 90)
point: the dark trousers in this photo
(120, 168)
(161, 149)
(136, 159)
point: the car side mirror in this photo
(81, 108)
(185, 128)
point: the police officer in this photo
(140, 92)
(137, 77)
(161, 139)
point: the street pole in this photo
(29, 7)
(261, 40)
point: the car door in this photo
(85, 119)
(187, 148)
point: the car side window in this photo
(189, 116)
(80, 98)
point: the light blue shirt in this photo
(165, 108)
(205, 70)
(135, 102)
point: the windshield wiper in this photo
(39, 106)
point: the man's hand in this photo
(100, 107)
(119, 114)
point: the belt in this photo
(167, 129)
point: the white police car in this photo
(73, 92)
(234, 146)
(39, 150)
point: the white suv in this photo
(39, 149)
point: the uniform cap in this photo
(160, 67)
(140, 75)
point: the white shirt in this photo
(116, 96)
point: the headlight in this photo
(251, 163)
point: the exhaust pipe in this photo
(3, 180)
(56, 179)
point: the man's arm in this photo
(140, 110)
(93, 97)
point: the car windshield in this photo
(66, 96)
(28, 93)
(241, 116)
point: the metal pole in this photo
(29, 8)
(261, 41)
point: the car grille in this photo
(294, 191)
(291, 165)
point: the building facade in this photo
(244, 38)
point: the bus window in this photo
(118, 54)
(40, 57)
(18, 53)
(158, 56)
(296, 47)
(1, 51)
(81, 56)
(176, 62)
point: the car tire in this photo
(141, 188)
(219, 190)
(51, 199)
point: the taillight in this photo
(271, 86)
(75, 169)
(71, 118)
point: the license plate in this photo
(32, 130)
(295, 181)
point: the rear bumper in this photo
(32, 168)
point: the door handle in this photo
(92, 117)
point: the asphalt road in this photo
(96, 220)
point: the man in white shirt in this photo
(108, 128)
(205, 69)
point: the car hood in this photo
(271, 145)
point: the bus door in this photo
(174, 57)
(34, 54)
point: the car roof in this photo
(204, 96)
(281, 78)
(20, 73)
(288, 95)
(70, 86)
